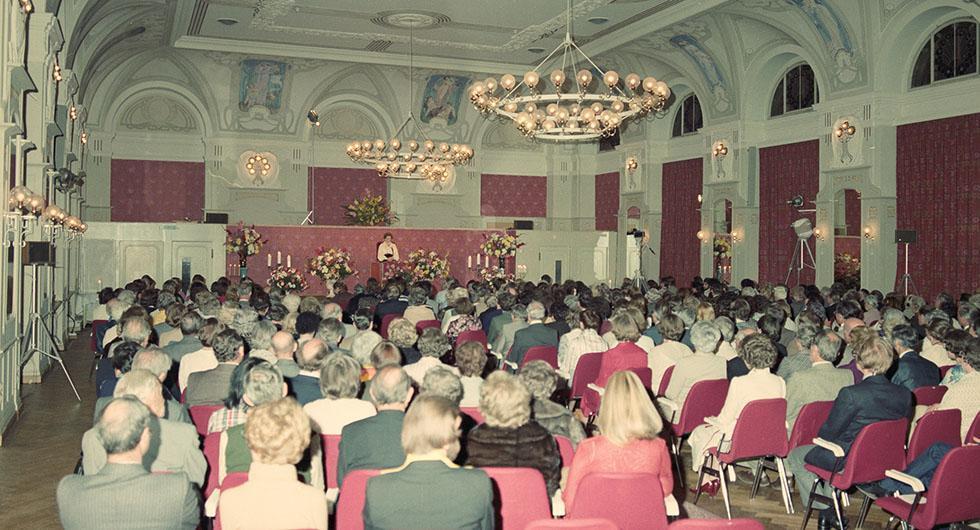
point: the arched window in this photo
(688, 119)
(950, 52)
(797, 90)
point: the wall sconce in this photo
(703, 236)
(818, 233)
(632, 164)
(868, 233)
(736, 237)
(720, 150)
(73, 113)
(26, 6)
(844, 131)
(83, 138)
(56, 72)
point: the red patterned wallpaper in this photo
(302, 242)
(156, 191)
(938, 190)
(331, 189)
(607, 201)
(513, 196)
(784, 171)
(679, 246)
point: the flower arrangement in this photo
(722, 247)
(847, 269)
(330, 265)
(288, 279)
(489, 274)
(370, 210)
(398, 269)
(244, 241)
(499, 244)
(425, 264)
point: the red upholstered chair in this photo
(952, 496)
(578, 524)
(808, 422)
(232, 480)
(565, 449)
(944, 369)
(665, 381)
(974, 431)
(548, 354)
(929, 395)
(474, 335)
(350, 503)
(385, 322)
(473, 412)
(331, 448)
(520, 496)
(936, 426)
(586, 371)
(715, 524)
(630, 500)
(423, 325)
(212, 445)
(878, 447)
(200, 414)
(605, 327)
(706, 398)
(645, 374)
(760, 433)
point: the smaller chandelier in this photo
(844, 131)
(425, 160)
(25, 202)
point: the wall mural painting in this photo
(262, 83)
(441, 98)
(709, 69)
(830, 27)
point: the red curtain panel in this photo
(938, 191)
(607, 201)
(679, 246)
(331, 189)
(852, 212)
(785, 171)
(513, 196)
(156, 191)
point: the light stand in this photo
(906, 279)
(34, 324)
(797, 260)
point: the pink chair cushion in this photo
(629, 500)
(759, 431)
(878, 447)
(212, 445)
(350, 503)
(936, 426)
(565, 449)
(665, 381)
(472, 335)
(548, 354)
(520, 496)
(200, 414)
(711, 524)
(929, 395)
(564, 524)
(331, 448)
(952, 495)
(473, 412)
(808, 422)
(706, 398)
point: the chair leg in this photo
(704, 469)
(723, 478)
(757, 478)
(675, 442)
(835, 500)
(809, 504)
(784, 486)
(863, 514)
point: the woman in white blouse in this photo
(340, 380)
(579, 341)
(387, 249)
(759, 354)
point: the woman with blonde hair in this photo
(629, 441)
(705, 311)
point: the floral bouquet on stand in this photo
(370, 210)
(489, 274)
(722, 247)
(244, 241)
(401, 270)
(847, 270)
(330, 265)
(425, 264)
(288, 279)
(500, 245)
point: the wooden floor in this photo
(44, 444)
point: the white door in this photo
(190, 258)
(555, 262)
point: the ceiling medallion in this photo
(410, 19)
(574, 115)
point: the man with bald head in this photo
(305, 386)
(535, 334)
(375, 442)
(284, 348)
(123, 494)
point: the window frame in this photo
(783, 81)
(680, 115)
(930, 42)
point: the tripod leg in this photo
(792, 261)
(54, 340)
(813, 261)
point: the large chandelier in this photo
(573, 112)
(417, 158)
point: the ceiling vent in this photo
(378, 45)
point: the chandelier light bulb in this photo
(413, 146)
(56, 72)
(83, 138)
(617, 106)
(611, 78)
(508, 82)
(633, 81)
(26, 6)
(491, 84)
(649, 83)
(531, 79)
(73, 113)
(557, 78)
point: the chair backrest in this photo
(944, 369)
(212, 446)
(759, 431)
(472, 335)
(422, 325)
(630, 500)
(974, 431)
(95, 326)
(232, 480)
(936, 426)
(645, 374)
(811, 417)
(586, 371)
(350, 503)
(706, 398)
(564, 524)
(331, 448)
(605, 327)
(565, 449)
(929, 395)
(711, 524)
(879, 447)
(200, 414)
(520, 496)
(665, 380)
(473, 412)
(548, 354)
(385, 322)
(952, 496)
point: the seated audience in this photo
(190, 324)
(242, 395)
(965, 393)
(340, 382)
(726, 349)
(305, 387)
(800, 357)
(364, 339)
(820, 382)
(464, 319)
(509, 438)
(393, 304)
(582, 339)
(428, 490)
(110, 369)
(505, 302)
(471, 359)
(402, 333)
(278, 435)
(158, 363)
(662, 357)
(933, 348)
(432, 345)
(536, 333)
(260, 340)
(505, 339)
(702, 365)
(542, 381)
(169, 331)
(124, 494)
(625, 354)
(418, 308)
(203, 359)
(307, 323)
(956, 343)
(911, 370)
(210, 387)
(331, 331)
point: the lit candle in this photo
(269, 255)
(289, 260)
(469, 262)
(477, 260)
(278, 258)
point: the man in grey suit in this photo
(505, 301)
(123, 494)
(535, 334)
(210, 387)
(375, 442)
(173, 445)
(505, 340)
(190, 324)
(806, 335)
(821, 382)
